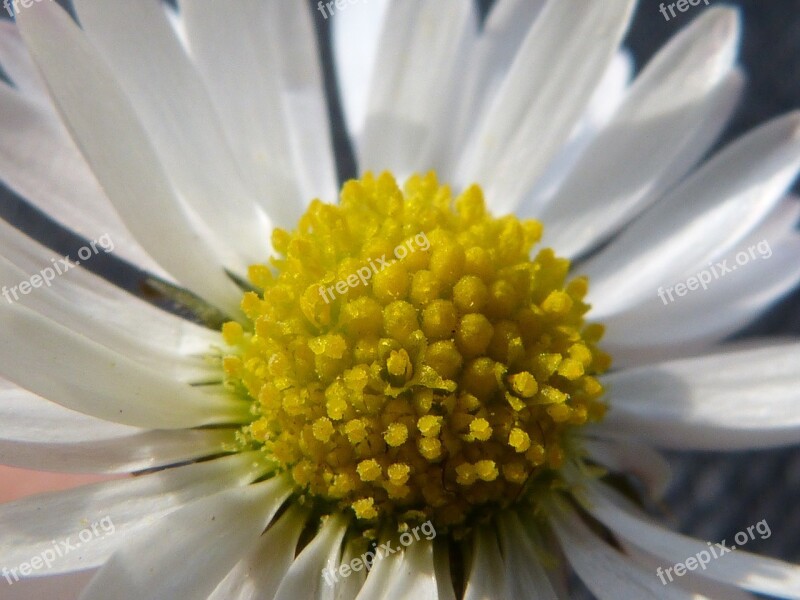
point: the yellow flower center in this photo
(408, 360)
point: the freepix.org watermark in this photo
(365, 273)
(681, 5)
(369, 558)
(327, 7)
(715, 551)
(715, 271)
(47, 558)
(12, 6)
(46, 276)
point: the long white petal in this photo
(356, 36)
(17, 63)
(731, 400)
(607, 573)
(85, 320)
(749, 571)
(66, 368)
(174, 108)
(91, 296)
(131, 173)
(622, 455)
(380, 576)
(524, 574)
(415, 576)
(719, 205)
(31, 525)
(259, 573)
(499, 40)
(58, 587)
(414, 84)
(653, 139)
(40, 163)
(546, 91)
(261, 67)
(205, 540)
(37, 434)
(305, 577)
(486, 579)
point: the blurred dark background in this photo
(713, 496)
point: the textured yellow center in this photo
(408, 359)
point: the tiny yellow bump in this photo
(369, 470)
(396, 434)
(519, 440)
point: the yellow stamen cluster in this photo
(408, 355)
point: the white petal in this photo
(414, 84)
(30, 525)
(84, 319)
(305, 578)
(669, 119)
(604, 104)
(622, 455)
(174, 108)
(58, 587)
(189, 552)
(415, 576)
(731, 400)
(66, 368)
(487, 577)
(500, 38)
(17, 63)
(267, 88)
(525, 576)
(703, 589)
(607, 573)
(654, 331)
(259, 574)
(87, 294)
(37, 434)
(749, 571)
(130, 172)
(545, 93)
(356, 35)
(380, 576)
(40, 163)
(348, 588)
(719, 205)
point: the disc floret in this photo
(407, 359)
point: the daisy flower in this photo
(408, 392)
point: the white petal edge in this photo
(719, 205)
(259, 573)
(739, 399)
(356, 35)
(190, 551)
(37, 434)
(547, 90)
(607, 573)
(305, 578)
(414, 86)
(81, 375)
(268, 91)
(670, 117)
(174, 109)
(625, 456)
(40, 163)
(525, 575)
(742, 569)
(131, 173)
(30, 525)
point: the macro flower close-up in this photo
(418, 297)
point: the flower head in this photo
(408, 392)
